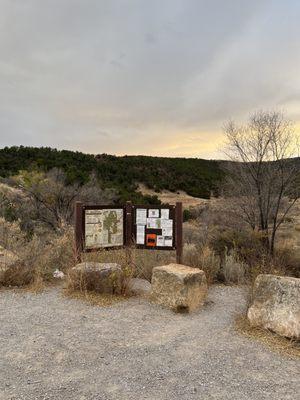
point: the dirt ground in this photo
(165, 196)
(57, 348)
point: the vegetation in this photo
(46, 199)
(33, 260)
(196, 177)
(226, 237)
(263, 177)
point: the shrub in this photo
(187, 215)
(192, 234)
(204, 258)
(248, 250)
(233, 270)
(286, 262)
(36, 258)
(248, 245)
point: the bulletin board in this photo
(111, 227)
(154, 227)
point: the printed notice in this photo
(166, 223)
(160, 241)
(140, 234)
(164, 213)
(141, 216)
(167, 231)
(168, 241)
(153, 213)
(153, 223)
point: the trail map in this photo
(104, 228)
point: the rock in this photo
(99, 277)
(58, 274)
(139, 287)
(276, 305)
(181, 288)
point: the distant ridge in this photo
(197, 177)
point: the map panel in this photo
(104, 228)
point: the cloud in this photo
(138, 76)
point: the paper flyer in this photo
(140, 234)
(166, 223)
(160, 241)
(167, 232)
(168, 241)
(164, 213)
(141, 216)
(153, 213)
(153, 223)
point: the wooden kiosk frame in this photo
(130, 228)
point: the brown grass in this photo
(167, 197)
(282, 345)
(36, 258)
(204, 258)
(233, 269)
(93, 298)
(137, 263)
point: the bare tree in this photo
(262, 176)
(50, 200)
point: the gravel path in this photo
(56, 348)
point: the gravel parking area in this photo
(52, 347)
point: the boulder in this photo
(139, 287)
(276, 305)
(99, 277)
(181, 288)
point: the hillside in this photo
(196, 177)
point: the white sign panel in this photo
(140, 234)
(141, 216)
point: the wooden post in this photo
(128, 224)
(128, 232)
(78, 230)
(178, 223)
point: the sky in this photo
(153, 77)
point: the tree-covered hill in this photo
(197, 177)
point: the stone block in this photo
(276, 305)
(181, 288)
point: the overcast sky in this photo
(154, 77)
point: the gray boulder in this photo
(139, 287)
(99, 277)
(276, 305)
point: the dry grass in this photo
(135, 262)
(297, 227)
(167, 197)
(282, 345)
(204, 258)
(233, 269)
(36, 258)
(93, 298)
